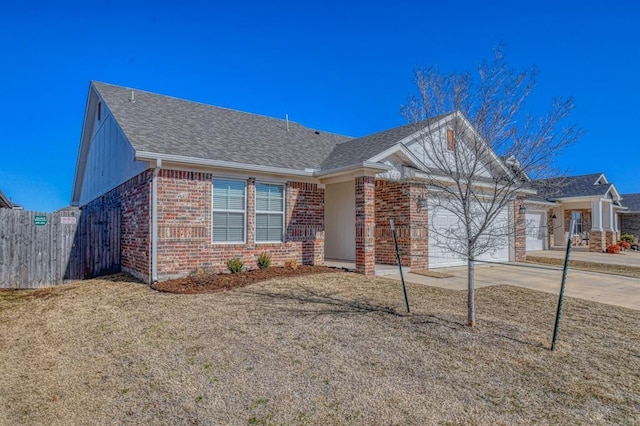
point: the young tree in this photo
(481, 148)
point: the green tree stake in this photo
(562, 285)
(404, 287)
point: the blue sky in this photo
(344, 67)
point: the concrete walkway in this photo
(603, 288)
(628, 258)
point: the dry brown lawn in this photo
(319, 349)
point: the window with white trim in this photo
(229, 209)
(269, 212)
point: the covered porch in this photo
(596, 223)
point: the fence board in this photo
(34, 256)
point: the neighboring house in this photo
(5, 203)
(591, 200)
(195, 185)
(630, 219)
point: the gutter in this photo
(151, 156)
(154, 222)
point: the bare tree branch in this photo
(481, 151)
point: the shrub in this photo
(624, 244)
(628, 238)
(291, 264)
(202, 276)
(264, 261)
(235, 265)
(613, 248)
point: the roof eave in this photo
(243, 167)
(367, 165)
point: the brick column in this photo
(419, 226)
(365, 225)
(520, 236)
(597, 241)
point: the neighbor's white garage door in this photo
(442, 222)
(536, 230)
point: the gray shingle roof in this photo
(571, 186)
(361, 149)
(632, 201)
(166, 125)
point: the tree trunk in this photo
(471, 297)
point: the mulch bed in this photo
(213, 283)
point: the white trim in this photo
(244, 212)
(606, 181)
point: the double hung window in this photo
(229, 210)
(269, 212)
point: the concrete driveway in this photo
(629, 258)
(603, 288)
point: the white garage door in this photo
(536, 230)
(444, 226)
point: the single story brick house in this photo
(591, 200)
(195, 185)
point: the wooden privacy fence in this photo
(44, 249)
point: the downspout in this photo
(154, 222)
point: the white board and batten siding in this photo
(536, 230)
(443, 222)
(111, 158)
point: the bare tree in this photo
(480, 148)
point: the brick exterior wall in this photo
(399, 201)
(520, 231)
(630, 224)
(185, 233)
(133, 200)
(365, 225)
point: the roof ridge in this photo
(283, 120)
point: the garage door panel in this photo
(442, 222)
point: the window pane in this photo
(276, 204)
(268, 227)
(228, 194)
(235, 234)
(269, 197)
(275, 234)
(262, 203)
(262, 234)
(235, 220)
(219, 234)
(228, 227)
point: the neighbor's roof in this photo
(4, 201)
(571, 186)
(632, 202)
(165, 125)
